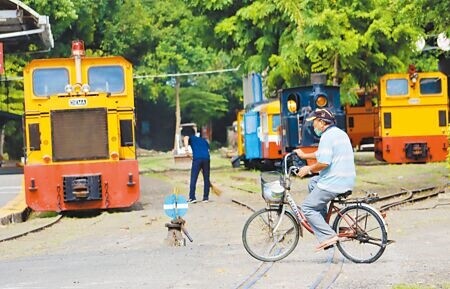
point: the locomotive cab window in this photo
(276, 122)
(360, 103)
(109, 79)
(50, 81)
(397, 87)
(430, 86)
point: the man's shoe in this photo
(205, 201)
(327, 243)
(192, 201)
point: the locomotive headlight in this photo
(114, 155)
(85, 88)
(68, 88)
(321, 101)
(292, 106)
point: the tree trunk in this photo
(177, 111)
(336, 71)
(2, 139)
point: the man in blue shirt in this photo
(200, 161)
(336, 167)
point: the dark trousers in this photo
(198, 165)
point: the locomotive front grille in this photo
(79, 134)
(82, 188)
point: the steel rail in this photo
(330, 274)
(33, 230)
(254, 277)
(405, 191)
(411, 200)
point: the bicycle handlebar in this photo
(292, 169)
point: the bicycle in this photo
(272, 233)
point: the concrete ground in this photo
(128, 250)
(12, 198)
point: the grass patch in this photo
(421, 286)
(166, 161)
(41, 215)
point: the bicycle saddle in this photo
(344, 195)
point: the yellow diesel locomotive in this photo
(413, 117)
(79, 126)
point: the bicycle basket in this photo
(272, 190)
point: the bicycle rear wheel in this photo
(269, 235)
(362, 232)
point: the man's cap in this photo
(321, 113)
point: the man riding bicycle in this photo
(336, 167)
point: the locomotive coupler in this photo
(174, 236)
(80, 188)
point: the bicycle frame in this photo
(301, 219)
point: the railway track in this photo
(39, 224)
(406, 196)
(331, 272)
(255, 276)
(34, 229)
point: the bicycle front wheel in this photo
(362, 232)
(269, 235)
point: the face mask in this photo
(318, 132)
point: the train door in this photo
(252, 142)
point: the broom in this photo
(215, 189)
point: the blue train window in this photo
(250, 124)
(395, 87)
(106, 79)
(430, 85)
(50, 81)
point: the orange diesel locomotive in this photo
(362, 120)
(79, 133)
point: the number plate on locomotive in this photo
(78, 102)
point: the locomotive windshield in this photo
(430, 85)
(49, 81)
(397, 86)
(106, 79)
(276, 121)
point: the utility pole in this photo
(177, 110)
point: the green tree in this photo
(71, 20)
(165, 39)
(429, 19)
(353, 41)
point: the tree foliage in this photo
(164, 37)
(353, 41)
